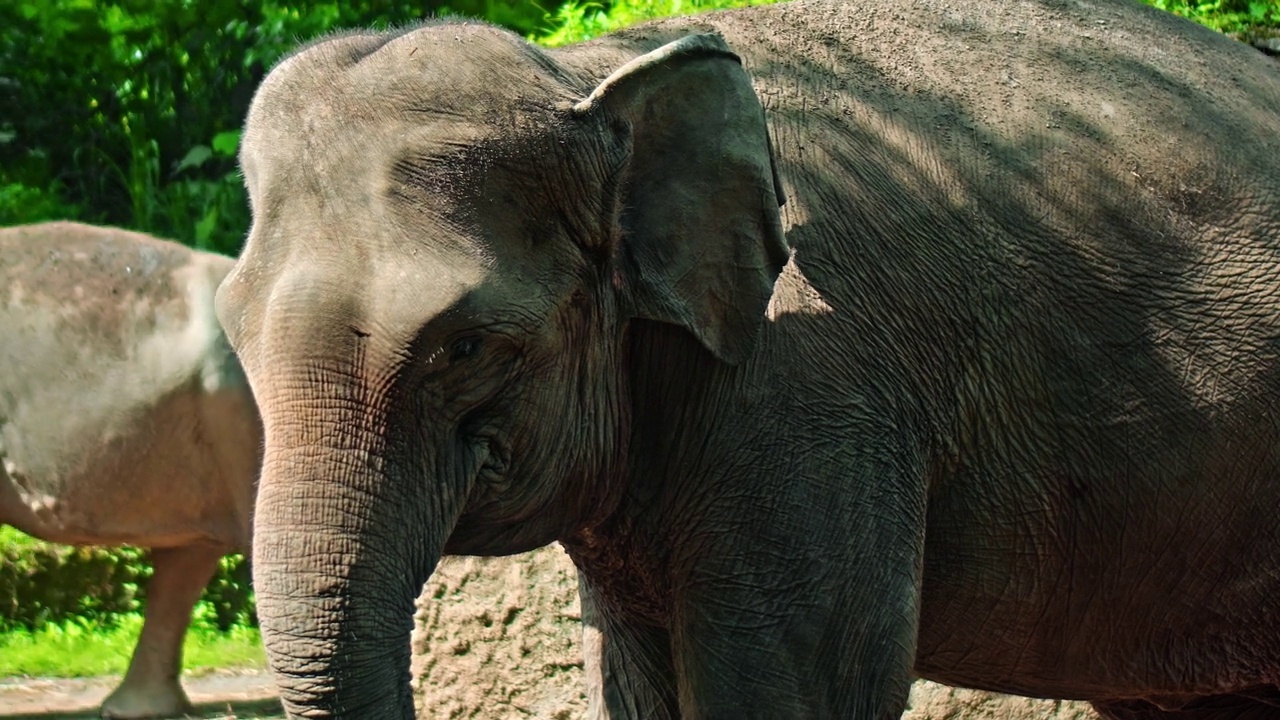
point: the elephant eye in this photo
(464, 348)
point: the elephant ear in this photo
(701, 241)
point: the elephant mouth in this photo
(491, 469)
(497, 520)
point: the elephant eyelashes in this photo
(459, 350)
(464, 348)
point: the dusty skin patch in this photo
(495, 639)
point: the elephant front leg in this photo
(151, 687)
(627, 665)
(804, 608)
(822, 652)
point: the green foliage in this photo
(128, 112)
(42, 585)
(579, 20)
(58, 649)
(228, 600)
(71, 612)
(1238, 17)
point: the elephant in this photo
(125, 418)
(838, 344)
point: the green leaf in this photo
(205, 228)
(194, 158)
(225, 143)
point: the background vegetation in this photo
(1243, 19)
(55, 600)
(128, 113)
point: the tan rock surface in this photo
(498, 639)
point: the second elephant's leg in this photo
(627, 665)
(151, 687)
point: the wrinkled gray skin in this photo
(1007, 418)
(125, 419)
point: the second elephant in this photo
(125, 419)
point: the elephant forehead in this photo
(446, 70)
(345, 135)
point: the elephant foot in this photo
(1262, 703)
(147, 701)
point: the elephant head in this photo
(453, 235)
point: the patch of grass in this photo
(239, 647)
(84, 648)
(579, 20)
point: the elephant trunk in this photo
(338, 562)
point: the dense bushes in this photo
(128, 113)
(42, 583)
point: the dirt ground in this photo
(238, 694)
(496, 639)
